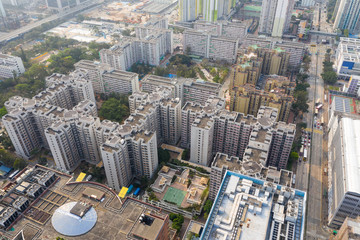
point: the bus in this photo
(293, 180)
(13, 174)
(130, 189)
(305, 155)
(318, 107)
(316, 111)
(302, 150)
(137, 191)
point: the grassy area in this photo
(334, 88)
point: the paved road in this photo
(27, 28)
(315, 191)
(309, 175)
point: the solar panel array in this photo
(342, 104)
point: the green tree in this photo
(114, 109)
(160, 71)
(3, 112)
(80, 18)
(177, 221)
(185, 154)
(42, 161)
(126, 32)
(23, 55)
(294, 156)
(163, 155)
(330, 77)
(207, 208)
(180, 59)
(19, 163)
(346, 32)
(300, 104)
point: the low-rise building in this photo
(347, 60)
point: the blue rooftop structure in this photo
(250, 208)
(5, 169)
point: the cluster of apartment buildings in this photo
(208, 129)
(247, 93)
(63, 118)
(248, 99)
(28, 119)
(215, 41)
(152, 42)
(191, 10)
(295, 49)
(10, 66)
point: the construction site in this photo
(121, 12)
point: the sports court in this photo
(174, 195)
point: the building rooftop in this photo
(191, 106)
(232, 163)
(250, 208)
(145, 135)
(203, 122)
(149, 228)
(351, 158)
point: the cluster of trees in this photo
(218, 73)
(10, 161)
(64, 61)
(163, 155)
(115, 108)
(294, 156)
(49, 43)
(329, 75)
(301, 94)
(5, 141)
(3, 112)
(306, 62)
(152, 196)
(141, 68)
(207, 208)
(98, 173)
(27, 85)
(177, 221)
(180, 65)
(33, 80)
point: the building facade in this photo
(10, 66)
(275, 17)
(208, 46)
(347, 16)
(108, 80)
